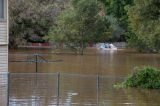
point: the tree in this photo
(32, 17)
(118, 18)
(144, 17)
(80, 23)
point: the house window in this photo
(1, 9)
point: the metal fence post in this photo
(8, 88)
(58, 88)
(36, 63)
(98, 81)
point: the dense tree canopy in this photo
(32, 17)
(144, 17)
(117, 14)
(80, 23)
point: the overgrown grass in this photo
(147, 77)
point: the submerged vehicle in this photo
(106, 46)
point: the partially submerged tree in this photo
(80, 23)
(147, 77)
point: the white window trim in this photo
(4, 10)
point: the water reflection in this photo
(32, 90)
(75, 90)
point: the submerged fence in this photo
(56, 89)
(60, 89)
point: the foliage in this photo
(32, 17)
(146, 77)
(80, 23)
(116, 9)
(144, 17)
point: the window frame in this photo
(3, 11)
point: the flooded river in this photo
(78, 83)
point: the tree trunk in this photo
(82, 49)
(82, 45)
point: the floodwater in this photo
(78, 83)
(93, 62)
(75, 90)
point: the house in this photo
(3, 36)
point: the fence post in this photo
(58, 88)
(98, 81)
(8, 88)
(36, 62)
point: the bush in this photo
(146, 77)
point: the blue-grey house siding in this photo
(4, 36)
(3, 52)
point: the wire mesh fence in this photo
(62, 89)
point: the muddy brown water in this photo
(93, 62)
(78, 84)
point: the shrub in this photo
(146, 77)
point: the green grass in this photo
(147, 77)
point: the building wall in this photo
(3, 59)
(4, 40)
(3, 33)
(4, 55)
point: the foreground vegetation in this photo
(146, 77)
